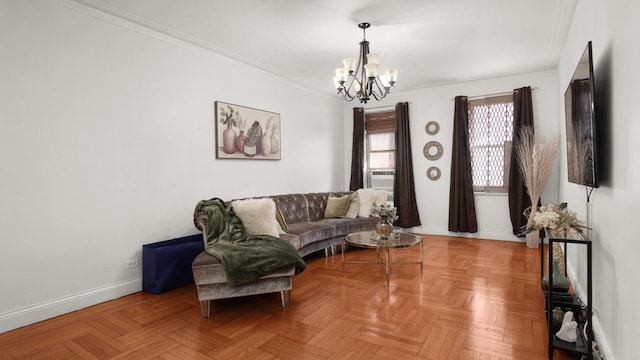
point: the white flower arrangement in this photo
(387, 211)
(556, 217)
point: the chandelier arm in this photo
(347, 96)
(356, 81)
(381, 90)
(352, 86)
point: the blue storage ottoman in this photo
(166, 265)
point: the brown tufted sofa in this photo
(308, 232)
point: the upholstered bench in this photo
(211, 283)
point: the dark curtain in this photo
(518, 196)
(357, 150)
(404, 190)
(462, 207)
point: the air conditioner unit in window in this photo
(382, 180)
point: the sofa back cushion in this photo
(316, 204)
(293, 207)
(304, 207)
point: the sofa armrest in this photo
(200, 221)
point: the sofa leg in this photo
(285, 295)
(205, 308)
(330, 249)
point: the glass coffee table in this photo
(369, 240)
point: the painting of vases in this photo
(246, 133)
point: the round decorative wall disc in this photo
(433, 150)
(433, 173)
(432, 128)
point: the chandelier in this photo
(359, 77)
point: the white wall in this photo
(436, 104)
(107, 143)
(613, 28)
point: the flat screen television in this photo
(580, 118)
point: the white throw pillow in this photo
(380, 198)
(367, 197)
(257, 215)
(354, 206)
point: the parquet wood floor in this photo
(476, 299)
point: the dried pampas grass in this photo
(535, 158)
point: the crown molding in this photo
(133, 22)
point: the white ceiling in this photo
(430, 42)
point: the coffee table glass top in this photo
(369, 239)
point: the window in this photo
(380, 130)
(380, 151)
(490, 136)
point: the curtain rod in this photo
(490, 95)
(386, 107)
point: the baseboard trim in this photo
(482, 235)
(39, 312)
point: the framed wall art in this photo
(246, 133)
